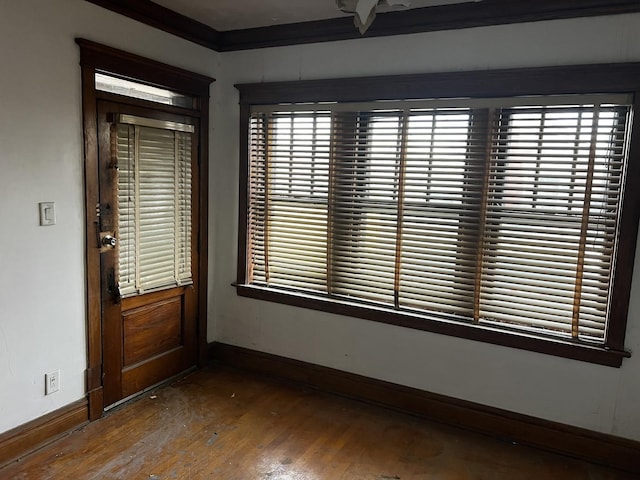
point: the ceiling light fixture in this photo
(365, 10)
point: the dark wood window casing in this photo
(331, 179)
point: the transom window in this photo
(135, 89)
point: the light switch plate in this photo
(51, 382)
(47, 213)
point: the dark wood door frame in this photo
(94, 58)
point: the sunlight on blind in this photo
(438, 234)
(292, 219)
(154, 205)
(365, 204)
(551, 221)
(497, 215)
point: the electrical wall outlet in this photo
(51, 382)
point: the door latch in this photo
(112, 286)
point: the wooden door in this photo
(149, 330)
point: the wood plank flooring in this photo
(220, 423)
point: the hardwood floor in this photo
(220, 423)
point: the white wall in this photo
(42, 273)
(595, 397)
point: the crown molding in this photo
(428, 19)
(162, 18)
(419, 20)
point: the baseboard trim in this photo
(551, 436)
(22, 440)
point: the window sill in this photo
(548, 345)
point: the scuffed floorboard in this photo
(224, 424)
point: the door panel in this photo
(151, 330)
(147, 336)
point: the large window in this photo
(501, 215)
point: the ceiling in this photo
(224, 15)
(230, 25)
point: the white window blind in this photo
(154, 204)
(502, 212)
